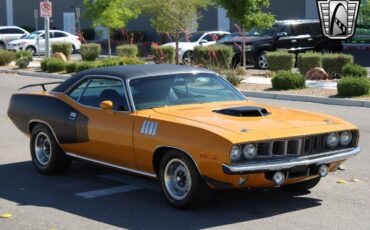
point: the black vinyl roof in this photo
(129, 72)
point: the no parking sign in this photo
(46, 9)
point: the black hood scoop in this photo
(245, 111)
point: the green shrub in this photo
(288, 80)
(334, 63)
(6, 57)
(62, 47)
(353, 70)
(163, 54)
(280, 60)
(23, 58)
(232, 77)
(307, 61)
(55, 65)
(44, 65)
(108, 62)
(71, 67)
(86, 65)
(240, 70)
(130, 61)
(127, 51)
(90, 52)
(214, 56)
(353, 86)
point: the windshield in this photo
(32, 35)
(193, 37)
(181, 89)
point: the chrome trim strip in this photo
(143, 127)
(112, 165)
(44, 123)
(155, 129)
(326, 158)
(149, 128)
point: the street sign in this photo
(46, 9)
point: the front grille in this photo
(295, 147)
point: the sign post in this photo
(46, 12)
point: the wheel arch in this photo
(33, 123)
(160, 152)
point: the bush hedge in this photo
(71, 67)
(62, 47)
(219, 56)
(163, 54)
(353, 86)
(23, 58)
(285, 80)
(55, 65)
(127, 51)
(353, 70)
(90, 52)
(334, 63)
(6, 57)
(232, 77)
(278, 61)
(307, 61)
(86, 65)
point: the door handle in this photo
(293, 41)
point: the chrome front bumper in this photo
(320, 159)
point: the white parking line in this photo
(132, 184)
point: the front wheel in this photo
(188, 58)
(261, 61)
(47, 157)
(31, 49)
(181, 182)
(303, 186)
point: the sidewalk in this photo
(309, 83)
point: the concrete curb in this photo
(320, 100)
(36, 74)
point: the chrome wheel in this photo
(262, 61)
(177, 179)
(42, 149)
(188, 58)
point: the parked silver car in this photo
(10, 33)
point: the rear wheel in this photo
(303, 186)
(47, 156)
(181, 182)
(31, 49)
(261, 61)
(188, 58)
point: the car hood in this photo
(292, 122)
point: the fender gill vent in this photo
(149, 128)
(245, 111)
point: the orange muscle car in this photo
(186, 126)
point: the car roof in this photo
(131, 72)
(10, 27)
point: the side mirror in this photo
(106, 105)
(282, 34)
(203, 41)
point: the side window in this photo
(95, 91)
(287, 29)
(17, 31)
(211, 37)
(302, 29)
(59, 35)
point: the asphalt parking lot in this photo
(94, 197)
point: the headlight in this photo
(332, 140)
(345, 138)
(249, 151)
(235, 154)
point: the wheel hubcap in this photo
(42, 149)
(177, 179)
(188, 58)
(262, 61)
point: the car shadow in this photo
(140, 209)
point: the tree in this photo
(364, 17)
(174, 16)
(249, 14)
(111, 14)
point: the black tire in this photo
(198, 191)
(2, 46)
(56, 161)
(261, 61)
(303, 186)
(31, 49)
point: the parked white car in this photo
(189, 42)
(9, 33)
(35, 42)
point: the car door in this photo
(40, 43)
(303, 38)
(285, 40)
(109, 132)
